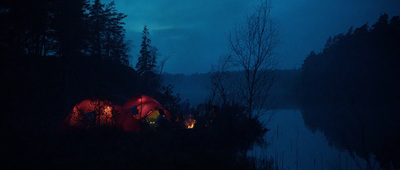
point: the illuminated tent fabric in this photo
(92, 113)
(101, 108)
(153, 116)
(145, 106)
(100, 113)
(126, 122)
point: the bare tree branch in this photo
(252, 44)
(162, 63)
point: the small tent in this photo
(145, 106)
(88, 110)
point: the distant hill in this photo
(196, 87)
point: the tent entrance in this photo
(151, 119)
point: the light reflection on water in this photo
(294, 146)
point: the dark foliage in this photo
(228, 122)
(169, 99)
(147, 62)
(105, 149)
(66, 29)
(56, 53)
(47, 67)
(351, 91)
(218, 141)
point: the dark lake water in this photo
(293, 145)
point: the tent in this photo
(88, 110)
(92, 113)
(145, 106)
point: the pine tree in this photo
(115, 46)
(97, 28)
(70, 28)
(147, 59)
(107, 34)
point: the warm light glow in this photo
(151, 119)
(107, 110)
(91, 113)
(106, 116)
(189, 123)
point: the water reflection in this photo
(295, 146)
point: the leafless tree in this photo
(253, 43)
(220, 80)
(162, 64)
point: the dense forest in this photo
(68, 50)
(351, 92)
(55, 54)
(58, 53)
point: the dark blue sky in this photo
(193, 32)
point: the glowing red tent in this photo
(91, 113)
(101, 108)
(145, 105)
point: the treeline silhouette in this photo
(66, 29)
(56, 53)
(85, 40)
(351, 91)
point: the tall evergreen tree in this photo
(97, 28)
(115, 46)
(147, 59)
(146, 65)
(71, 29)
(107, 34)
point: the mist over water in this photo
(79, 94)
(294, 146)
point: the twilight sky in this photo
(193, 32)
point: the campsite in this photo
(194, 84)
